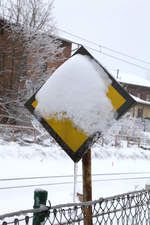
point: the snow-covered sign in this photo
(78, 102)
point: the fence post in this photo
(40, 198)
(35, 141)
(128, 141)
(116, 141)
(139, 142)
(13, 134)
(102, 138)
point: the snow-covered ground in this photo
(35, 161)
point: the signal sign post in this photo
(75, 142)
(87, 186)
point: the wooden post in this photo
(116, 141)
(87, 186)
(102, 138)
(34, 136)
(139, 142)
(128, 140)
(13, 134)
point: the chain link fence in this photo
(126, 209)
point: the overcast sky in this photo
(123, 25)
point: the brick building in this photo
(139, 88)
(11, 57)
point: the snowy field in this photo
(20, 161)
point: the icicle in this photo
(75, 181)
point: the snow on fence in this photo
(31, 135)
(14, 133)
(127, 209)
(120, 140)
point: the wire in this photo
(63, 183)
(124, 54)
(108, 55)
(123, 60)
(102, 46)
(70, 176)
(81, 38)
(117, 58)
(32, 178)
(67, 176)
(71, 182)
(33, 185)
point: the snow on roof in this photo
(77, 91)
(63, 39)
(130, 78)
(139, 100)
(127, 78)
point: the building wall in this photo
(141, 111)
(7, 63)
(64, 56)
(138, 91)
(11, 56)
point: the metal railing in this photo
(126, 209)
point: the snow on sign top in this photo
(77, 91)
(78, 102)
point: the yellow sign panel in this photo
(116, 99)
(71, 135)
(65, 129)
(68, 133)
(73, 140)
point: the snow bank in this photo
(77, 91)
(18, 161)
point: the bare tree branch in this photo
(29, 47)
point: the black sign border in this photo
(76, 156)
(130, 102)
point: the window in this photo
(140, 113)
(44, 67)
(1, 30)
(1, 62)
(139, 95)
(148, 98)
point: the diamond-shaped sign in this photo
(72, 137)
